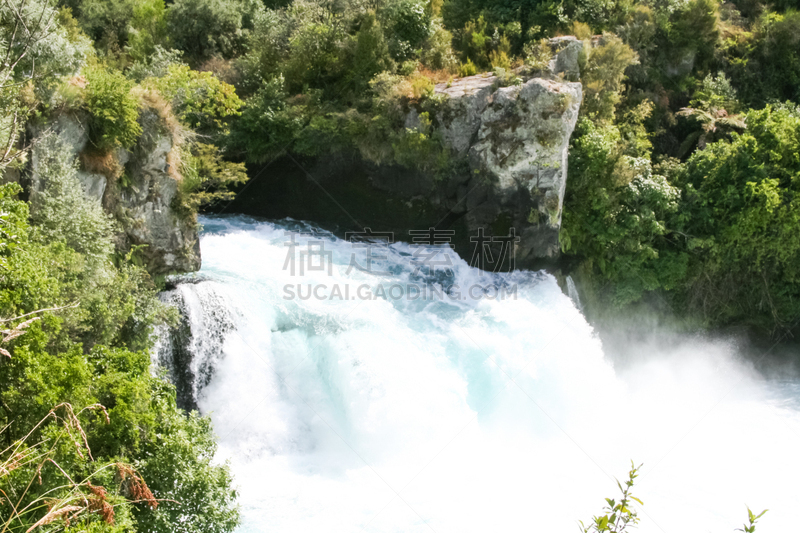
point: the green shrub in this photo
(114, 110)
(59, 208)
(742, 209)
(615, 216)
(603, 76)
(314, 56)
(407, 24)
(421, 148)
(267, 126)
(437, 53)
(766, 62)
(206, 28)
(467, 69)
(538, 55)
(200, 99)
(207, 178)
(94, 353)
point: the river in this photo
(486, 404)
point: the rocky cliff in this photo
(137, 186)
(510, 138)
(516, 140)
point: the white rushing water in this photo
(472, 415)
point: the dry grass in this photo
(104, 163)
(153, 100)
(437, 76)
(223, 69)
(134, 485)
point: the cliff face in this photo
(137, 186)
(516, 140)
(512, 143)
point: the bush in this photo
(615, 216)
(207, 177)
(199, 99)
(114, 110)
(59, 207)
(436, 51)
(407, 23)
(742, 210)
(538, 55)
(766, 66)
(603, 76)
(267, 126)
(205, 28)
(85, 355)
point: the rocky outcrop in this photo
(508, 141)
(516, 140)
(137, 186)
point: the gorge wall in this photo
(513, 141)
(138, 186)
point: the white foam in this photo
(403, 416)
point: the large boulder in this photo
(516, 139)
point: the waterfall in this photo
(572, 292)
(190, 350)
(400, 400)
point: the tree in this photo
(714, 108)
(741, 212)
(35, 51)
(207, 28)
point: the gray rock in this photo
(141, 199)
(567, 56)
(516, 140)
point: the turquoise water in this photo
(459, 413)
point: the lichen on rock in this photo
(516, 140)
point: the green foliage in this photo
(200, 99)
(766, 61)
(114, 110)
(267, 126)
(59, 208)
(407, 23)
(148, 29)
(538, 55)
(467, 69)
(154, 65)
(35, 488)
(619, 516)
(314, 54)
(94, 352)
(742, 210)
(752, 518)
(603, 77)
(436, 52)
(207, 28)
(615, 215)
(713, 108)
(178, 464)
(370, 55)
(207, 179)
(421, 148)
(37, 51)
(133, 26)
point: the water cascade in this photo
(458, 411)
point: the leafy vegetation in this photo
(620, 515)
(119, 430)
(683, 183)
